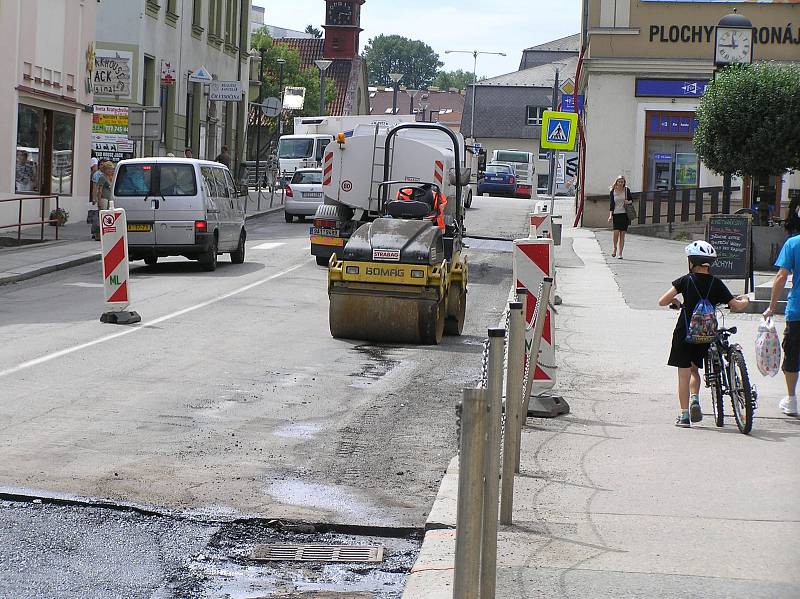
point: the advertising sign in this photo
(225, 91)
(110, 133)
(112, 73)
(685, 170)
(294, 98)
(167, 73)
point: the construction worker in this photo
(435, 199)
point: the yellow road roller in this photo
(402, 277)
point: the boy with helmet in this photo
(789, 262)
(688, 358)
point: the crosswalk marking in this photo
(267, 246)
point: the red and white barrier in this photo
(533, 261)
(541, 225)
(114, 248)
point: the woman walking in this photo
(620, 197)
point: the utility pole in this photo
(551, 185)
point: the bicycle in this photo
(726, 374)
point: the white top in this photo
(619, 201)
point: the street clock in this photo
(340, 13)
(733, 43)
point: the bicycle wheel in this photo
(714, 382)
(741, 392)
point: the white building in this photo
(45, 107)
(146, 50)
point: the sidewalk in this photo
(612, 499)
(75, 246)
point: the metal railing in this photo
(678, 205)
(44, 200)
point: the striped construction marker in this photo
(114, 248)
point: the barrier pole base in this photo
(124, 317)
(547, 406)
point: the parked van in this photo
(180, 207)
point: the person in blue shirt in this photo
(788, 262)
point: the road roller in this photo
(402, 278)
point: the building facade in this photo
(509, 109)
(146, 51)
(647, 63)
(46, 105)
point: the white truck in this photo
(305, 147)
(355, 166)
(524, 164)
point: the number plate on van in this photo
(140, 227)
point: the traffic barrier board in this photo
(559, 130)
(533, 261)
(114, 246)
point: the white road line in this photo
(267, 246)
(76, 348)
(87, 285)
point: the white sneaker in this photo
(788, 406)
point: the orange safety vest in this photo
(439, 202)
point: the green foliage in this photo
(749, 120)
(313, 31)
(459, 79)
(294, 75)
(416, 60)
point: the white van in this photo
(180, 207)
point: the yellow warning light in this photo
(340, 139)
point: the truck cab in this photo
(300, 151)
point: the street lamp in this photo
(322, 65)
(281, 62)
(733, 44)
(474, 81)
(395, 77)
(258, 55)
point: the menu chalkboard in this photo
(731, 237)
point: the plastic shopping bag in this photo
(768, 348)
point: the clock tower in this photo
(342, 28)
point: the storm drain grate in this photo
(319, 553)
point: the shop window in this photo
(29, 142)
(671, 162)
(533, 115)
(61, 167)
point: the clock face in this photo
(340, 13)
(734, 46)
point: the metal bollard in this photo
(522, 297)
(469, 511)
(491, 491)
(542, 304)
(516, 349)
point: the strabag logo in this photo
(376, 271)
(386, 255)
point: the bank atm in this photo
(661, 172)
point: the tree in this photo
(459, 79)
(749, 120)
(313, 31)
(416, 60)
(294, 75)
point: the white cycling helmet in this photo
(701, 249)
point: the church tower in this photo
(342, 28)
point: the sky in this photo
(485, 25)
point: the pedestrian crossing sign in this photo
(559, 130)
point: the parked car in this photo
(498, 179)
(303, 194)
(180, 207)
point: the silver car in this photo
(303, 194)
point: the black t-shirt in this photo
(696, 286)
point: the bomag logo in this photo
(375, 271)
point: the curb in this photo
(48, 269)
(69, 263)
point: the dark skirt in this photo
(621, 221)
(685, 355)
